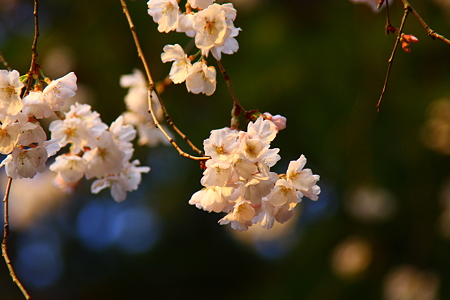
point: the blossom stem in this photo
(151, 88)
(5, 255)
(34, 53)
(237, 107)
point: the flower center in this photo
(210, 27)
(9, 90)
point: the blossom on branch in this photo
(10, 89)
(201, 79)
(181, 63)
(165, 13)
(238, 180)
(137, 114)
(214, 26)
(202, 4)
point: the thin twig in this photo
(4, 62)
(5, 255)
(151, 88)
(433, 34)
(388, 19)
(237, 107)
(229, 85)
(391, 59)
(34, 53)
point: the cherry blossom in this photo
(165, 13)
(137, 105)
(201, 79)
(10, 89)
(212, 28)
(70, 167)
(238, 180)
(202, 4)
(181, 64)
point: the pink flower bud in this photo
(279, 121)
(406, 40)
(409, 38)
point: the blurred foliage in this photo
(319, 63)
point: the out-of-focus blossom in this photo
(436, 130)
(371, 204)
(31, 198)
(406, 282)
(351, 257)
(137, 113)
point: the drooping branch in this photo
(5, 255)
(151, 88)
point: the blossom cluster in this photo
(22, 138)
(238, 181)
(96, 150)
(213, 30)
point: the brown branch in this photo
(151, 88)
(229, 85)
(391, 58)
(4, 62)
(237, 107)
(34, 66)
(433, 34)
(5, 255)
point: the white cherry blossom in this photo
(125, 181)
(238, 180)
(10, 89)
(8, 137)
(70, 167)
(201, 79)
(303, 179)
(241, 216)
(212, 28)
(202, 4)
(181, 64)
(106, 158)
(165, 13)
(185, 24)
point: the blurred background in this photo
(381, 227)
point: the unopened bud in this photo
(410, 38)
(407, 40)
(279, 121)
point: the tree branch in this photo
(5, 255)
(391, 58)
(151, 88)
(4, 62)
(433, 34)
